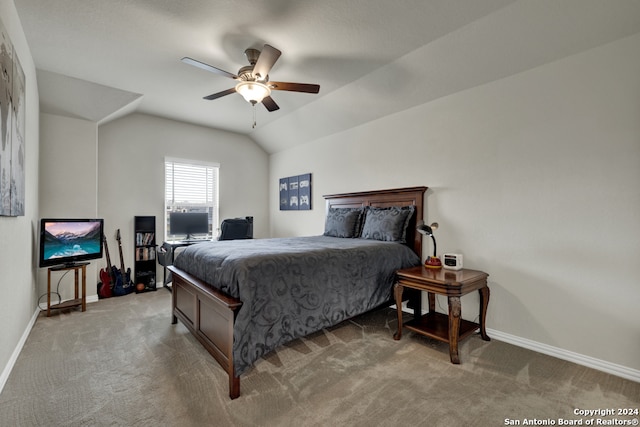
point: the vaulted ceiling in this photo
(99, 60)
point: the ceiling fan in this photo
(253, 80)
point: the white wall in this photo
(18, 234)
(533, 178)
(131, 157)
(68, 185)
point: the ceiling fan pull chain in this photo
(254, 116)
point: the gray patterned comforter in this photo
(292, 287)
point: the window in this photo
(191, 186)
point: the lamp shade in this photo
(427, 230)
(253, 92)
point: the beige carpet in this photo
(121, 363)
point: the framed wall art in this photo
(12, 125)
(295, 193)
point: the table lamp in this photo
(427, 230)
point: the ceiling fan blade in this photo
(270, 104)
(220, 94)
(208, 67)
(295, 87)
(267, 58)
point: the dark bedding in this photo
(292, 287)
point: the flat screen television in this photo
(69, 241)
(188, 224)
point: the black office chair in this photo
(236, 228)
(165, 259)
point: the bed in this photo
(243, 298)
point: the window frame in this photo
(211, 205)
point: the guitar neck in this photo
(120, 250)
(121, 259)
(106, 251)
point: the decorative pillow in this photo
(343, 222)
(387, 224)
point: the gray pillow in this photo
(343, 222)
(387, 224)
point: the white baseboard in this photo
(570, 356)
(16, 352)
(560, 353)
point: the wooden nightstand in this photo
(453, 284)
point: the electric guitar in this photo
(123, 280)
(107, 277)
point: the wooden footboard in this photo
(209, 315)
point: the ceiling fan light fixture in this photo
(252, 91)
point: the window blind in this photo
(191, 186)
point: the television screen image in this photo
(66, 241)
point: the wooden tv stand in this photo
(79, 300)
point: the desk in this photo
(77, 300)
(165, 258)
(453, 284)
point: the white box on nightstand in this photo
(452, 261)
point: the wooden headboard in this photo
(385, 198)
